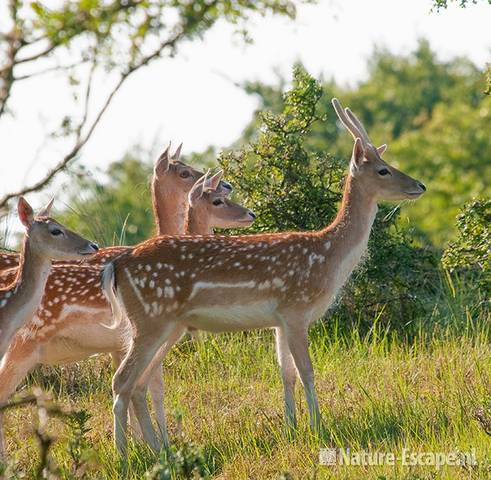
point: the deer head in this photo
(374, 175)
(172, 181)
(211, 205)
(49, 238)
(174, 175)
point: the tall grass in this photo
(378, 391)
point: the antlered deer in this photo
(281, 280)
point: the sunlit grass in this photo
(377, 393)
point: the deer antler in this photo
(351, 122)
(356, 121)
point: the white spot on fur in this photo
(278, 282)
(168, 292)
(211, 285)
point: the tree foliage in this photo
(439, 4)
(288, 185)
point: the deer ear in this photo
(162, 163)
(213, 182)
(177, 153)
(358, 155)
(46, 210)
(381, 150)
(197, 191)
(26, 214)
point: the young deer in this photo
(68, 326)
(44, 240)
(282, 280)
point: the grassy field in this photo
(377, 392)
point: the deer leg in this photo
(142, 350)
(117, 358)
(139, 402)
(297, 339)
(153, 380)
(15, 365)
(288, 375)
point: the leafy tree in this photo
(288, 186)
(85, 38)
(452, 153)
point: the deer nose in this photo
(422, 186)
(252, 214)
(94, 246)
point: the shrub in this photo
(470, 254)
(184, 462)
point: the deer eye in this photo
(184, 174)
(56, 232)
(217, 202)
(383, 172)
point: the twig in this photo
(40, 54)
(49, 70)
(7, 73)
(45, 408)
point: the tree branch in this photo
(7, 72)
(40, 54)
(82, 139)
(55, 68)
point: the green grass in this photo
(377, 392)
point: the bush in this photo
(290, 187)
(470, 254)
(183, 462)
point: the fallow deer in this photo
(68, 326)
(44, 240)
(284, 281)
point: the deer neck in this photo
(33, 271)
(169, 209)
(355, 217)
(196, 224)
(25, 294)
(343, 243)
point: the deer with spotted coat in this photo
(283, 281)
(68, 326)
(44, 240)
